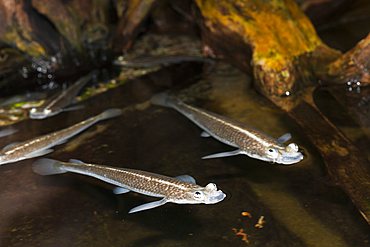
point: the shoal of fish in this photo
(181, 189)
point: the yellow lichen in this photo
(278, 31)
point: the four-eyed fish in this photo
(57, 102)
(247, 139)
(181, 189)
(41, 145)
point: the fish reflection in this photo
(181, 189)
(160, 60)
(41, 145)
(58, 102)
(249, 140)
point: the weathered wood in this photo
(80, 22)
(353, 67)
(23, 28)
(276, 33)
(128, 26)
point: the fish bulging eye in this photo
(292, 147)
(211, 186)
(198, 194)
(273, 153)
(47, 111)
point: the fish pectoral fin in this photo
(74, 108)
(225, 154)
(284, 138)
(60, 142)
(120, 190)
(147, 206)
(205, 134)
(10, 146)
(186, 178)
(38, 153)
(7, 132)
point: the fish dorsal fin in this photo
(9, 146)
(147, 206)
(186, 178)
(120, 190)
(284, 138)
(74, 161)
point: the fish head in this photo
(283, 155)
(36, 113)
(206, 195)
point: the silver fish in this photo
(57, 103)
(163, 60)
(247, 139)
(41, 145)
(181, 189)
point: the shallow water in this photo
(298, 205)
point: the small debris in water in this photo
(260, 222)
(241, 232)
(247, 214)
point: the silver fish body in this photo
(41, 145)
(181, 190)
(247, 139)
(57, 102)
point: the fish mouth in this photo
(217, 198)
(288, 160)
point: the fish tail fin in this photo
(110, 113)
(161, 99)
(47, 167)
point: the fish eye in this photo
(198, 194)
(273, 153)
(47, 111)
(293, 147)
(211, 186)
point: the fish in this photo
(181, 189)
(249, 140)
(163, 60)
(7, 132)
(58, 102)
(41, 145)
